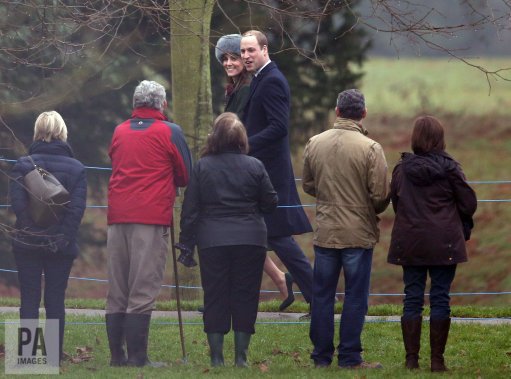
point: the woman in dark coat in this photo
(432, 202)
(222, 214)
(47, 250)
(237, 91)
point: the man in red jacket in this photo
(150, 158)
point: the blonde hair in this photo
(50, 126)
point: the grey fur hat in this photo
(229, 43)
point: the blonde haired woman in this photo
(47, 250)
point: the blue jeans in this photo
(56, 268)
(356, 263)
(414, 278)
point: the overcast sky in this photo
(494, 39)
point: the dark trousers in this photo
(231, 278)
(414, 278)
(56, 269)
(292, 256)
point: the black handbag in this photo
(47, 196)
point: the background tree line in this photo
(84, 59)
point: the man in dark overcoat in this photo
(266, 118)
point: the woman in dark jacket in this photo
(47, 250)
(430, 197)
(222, 214)
(237, 91)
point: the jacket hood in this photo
(425, 169)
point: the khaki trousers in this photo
(137, 255)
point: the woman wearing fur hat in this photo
(237, 91)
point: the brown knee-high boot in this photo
(411, 329)
(438, 333)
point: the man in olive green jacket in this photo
(347, 173)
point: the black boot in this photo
(115, 333)
(136, 329)
(438, 333)
(216, 348)
(241, 342)
(290, 295)
(411, 329)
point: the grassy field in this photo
(282, 351)
(407, 86)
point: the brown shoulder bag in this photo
(47, 196)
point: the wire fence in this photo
(266, 291)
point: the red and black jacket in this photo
(150, 158)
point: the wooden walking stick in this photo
(178, 300)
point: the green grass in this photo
(282, 350)
(408, 86)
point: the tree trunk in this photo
(191, 88)
(190, 66)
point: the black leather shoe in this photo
(290, 295)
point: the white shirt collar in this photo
(261, 69)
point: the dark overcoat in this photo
(237, 101)
(266, 118)
(429, 195)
